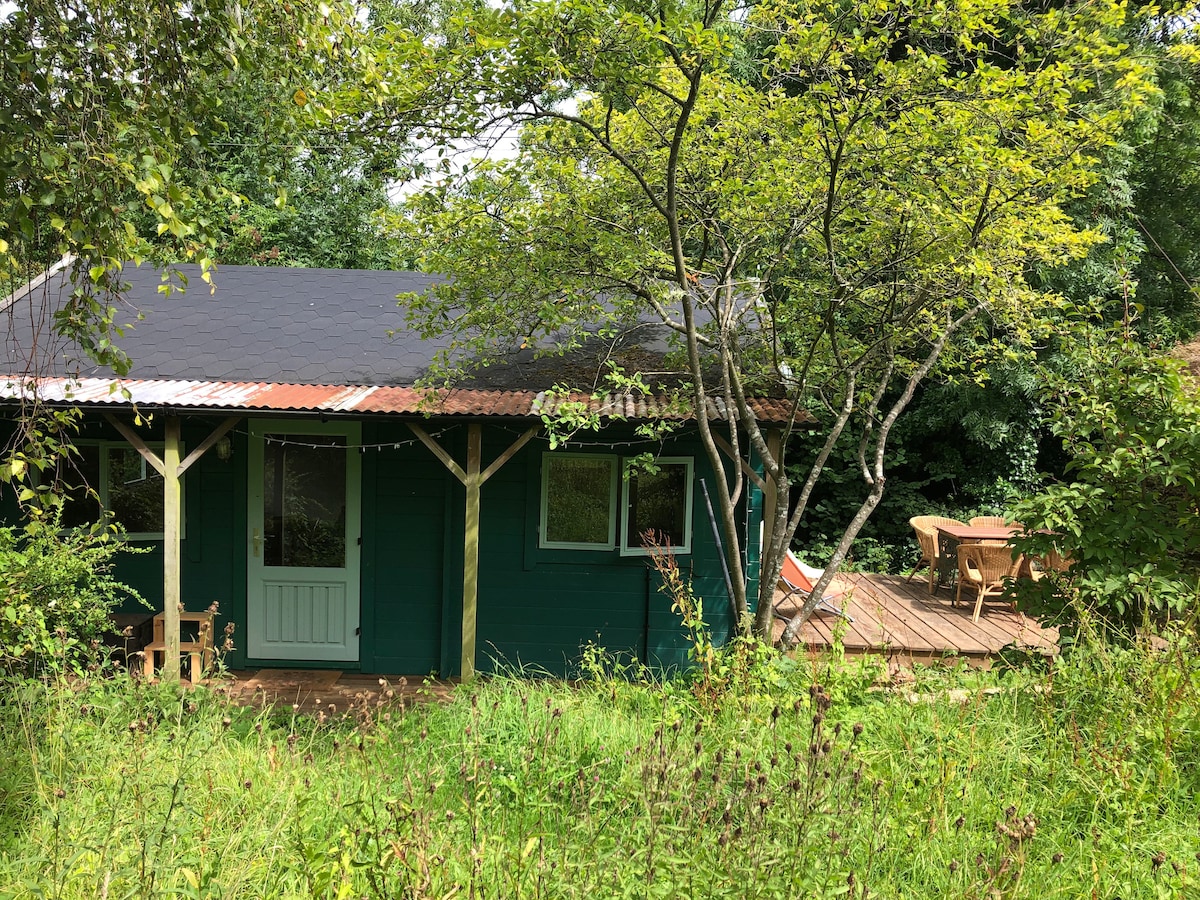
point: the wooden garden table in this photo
(950, 536)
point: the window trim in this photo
(688, 463)
(613, 500)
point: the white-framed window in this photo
(129, 489)
(579, 501)
(658, 503)
(586, 505)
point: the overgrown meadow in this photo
(804, 780)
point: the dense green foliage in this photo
(819, 199)
(101, 102)
(977, 439)
(1127, 507)
(274, 195)
(164, 132)
(56, 593)
(964, 785)
(1166, 205)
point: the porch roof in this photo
(265, 396)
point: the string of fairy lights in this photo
(305, 441)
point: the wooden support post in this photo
(171, 468)
(472, 479)
(471, 550)
(172, 526)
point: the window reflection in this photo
(304, 500)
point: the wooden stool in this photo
(194, 650)
(199, 652)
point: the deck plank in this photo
(998, 621)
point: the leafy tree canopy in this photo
(279, 196)
(820, 198)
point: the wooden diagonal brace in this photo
(137, 443)
(749, 472)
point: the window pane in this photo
(304, 497)
(579, 500)
(658, 505)
(135, 492)
(76, 475)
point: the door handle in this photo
(256, 542)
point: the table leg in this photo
(947, 559)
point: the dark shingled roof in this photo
(271, 324)
(293, 326)
(307, 339)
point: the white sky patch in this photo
(458, 158)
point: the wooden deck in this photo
(907, 624)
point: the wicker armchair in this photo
(985, 567)
(926, 530)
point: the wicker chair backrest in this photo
(926, 530)
(988, 522)
(989, 563)
(929, 522)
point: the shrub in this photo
(58, 592)
(1130, 424)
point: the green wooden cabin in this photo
(330, 508)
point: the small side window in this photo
(134, 492)
(579, 501)
(127, 487)
(658, 504)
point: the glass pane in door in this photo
(304, 500)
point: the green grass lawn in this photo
(799, 781)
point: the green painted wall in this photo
(213, 556)
(404, 533)
(538, 608)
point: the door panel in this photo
(304, 613)
(303, 589)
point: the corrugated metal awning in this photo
(239, 395)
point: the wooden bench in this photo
(199, 652)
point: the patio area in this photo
(906, 624)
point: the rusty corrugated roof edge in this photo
(271, 397)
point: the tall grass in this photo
(1077, 783)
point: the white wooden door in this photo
(302, 599)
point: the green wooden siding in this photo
(538, 608)
(404, 535)
(213, 556)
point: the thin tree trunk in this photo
(877, 476)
